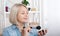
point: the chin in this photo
(25, 21)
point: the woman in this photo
(18, 18)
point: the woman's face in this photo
(22, 15)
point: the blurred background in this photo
(50, 9)
(53, 17)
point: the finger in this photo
(40, 33)
(46, 31)
(43, 32)
(23, 33)
(27, 29)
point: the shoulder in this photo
(10, 28)
(6, 31)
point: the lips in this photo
(25, 18)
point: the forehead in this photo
(22, 8)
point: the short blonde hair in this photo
(13, 13)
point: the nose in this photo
(26, 15)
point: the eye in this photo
(22, 13)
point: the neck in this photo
(20, 26)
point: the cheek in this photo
(20, 18)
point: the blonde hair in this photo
(13, 13)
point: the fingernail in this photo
(23, 27)
(28, 30)
(39, 31)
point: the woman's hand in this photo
(42, 32)
(25, 31)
